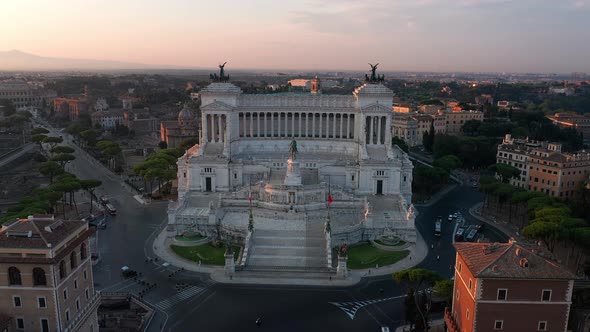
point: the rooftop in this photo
(508, 260)
(38, 232)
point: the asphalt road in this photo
(190, 301)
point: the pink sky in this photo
(437, 35)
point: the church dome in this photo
(186, 115)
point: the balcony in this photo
(82, 316)
(450, 321)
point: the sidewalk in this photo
(436, 325)
(475, 211)
(161, 248)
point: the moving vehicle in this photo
(111, 209)
(459, 234)
(451, 217)
(437, 228)
(104, 200)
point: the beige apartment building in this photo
(544, 167)
(456, 120)
(46, 276)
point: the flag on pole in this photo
(330, 200)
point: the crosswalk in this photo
(351, 308)
(183, 295)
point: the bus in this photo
(111, 209)
(437, 228)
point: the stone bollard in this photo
(342, 268)
(230, 264)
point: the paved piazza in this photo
(281, 158)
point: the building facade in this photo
(184, 128)
(544, 167)
(576, 121)
(456, 120)
(506, 287)
(22, 95)
(289, 153)
(46, 281)
(108, 119)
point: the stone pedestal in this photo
(342, 269)
(230, 264)
(293, 176)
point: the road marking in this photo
(351, 308)
(179, 297)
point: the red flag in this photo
(330, 200)
(250, 197)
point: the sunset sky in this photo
(422, 35)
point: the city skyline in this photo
(425, 35)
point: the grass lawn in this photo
(206, 253)
(189, 238)
(363, 256)
(400, 243)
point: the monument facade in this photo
(292, 159)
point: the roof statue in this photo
(222, 77)
(374, 77)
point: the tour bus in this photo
(111, 209)
(437, 228)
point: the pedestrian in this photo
(432, 246)
(438, 257)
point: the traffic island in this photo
(366, 256)
(207, 253)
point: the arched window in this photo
(73, 262)
(83, 250)
(14, 276)
(62, 269)
(39, 277)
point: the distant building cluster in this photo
(544, 167)
(24, 94)
(411, 126)
(572, 120)
(185, 127)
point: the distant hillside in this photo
(18, 60)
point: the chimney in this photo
(517, 251)
(523, 262)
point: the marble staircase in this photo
(280, 250)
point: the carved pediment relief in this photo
(217, 106)
(376, 108)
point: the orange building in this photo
(556, 173)
(506, 287)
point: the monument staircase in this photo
(301, 250)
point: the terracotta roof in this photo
(38, 233)
(508, 260)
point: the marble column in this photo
(334, 125)
(370, 130)
(219, 137)
(257, 124)
(265, 126)
(212, 128)
(204, 130)
(244, 124)
(272, 124)
(379, 130)
(320, 134)
(299, 131)
(313, 124)
(388, 130)
(347, 125)
(251, 124)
